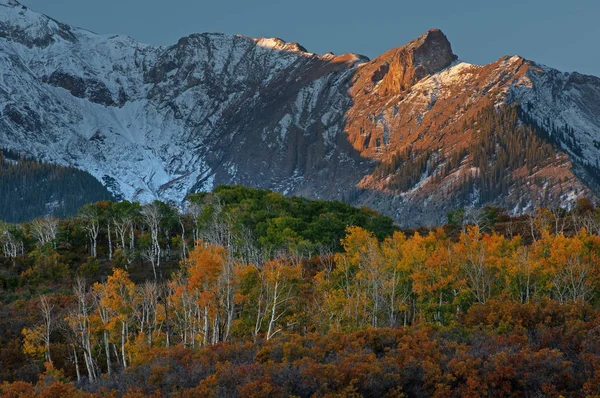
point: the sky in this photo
(559, 33)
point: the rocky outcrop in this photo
(91, 89)
(399, 69)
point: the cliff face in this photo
(399, 69)
(399, 133)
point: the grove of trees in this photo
(247, 293)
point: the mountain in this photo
(413, 133)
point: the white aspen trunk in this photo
(46, 309)
(131, 238)
(110, 250)
(83, 327)
(183, 242)
(76, 365)
(206, 326)
(124, 358)
(192, 331)
(150, 330)
(93, 230)
(215, 338)
(230, 315)
(88, 351)
(95, 250)
(273, 311)
(157, 251)
(88, 363)
(259, 313)
(153, 261)
(48, 357)
(376, 301)
(107, 352)
(116, 354)
(230, 301)
(120, 231)
(259, 318)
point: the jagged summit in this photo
(278, 44)
(10, 3)
(398, 69)
(21, 25)
(433, 51)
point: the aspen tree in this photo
(37, 339)
(280, 280)
(44, 230)
(90, 218)
(104, 313)
(79, 321)
(118, 299)
(152, 216)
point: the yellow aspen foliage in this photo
(33, 341)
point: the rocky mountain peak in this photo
(397, 70)
(21, 25)
(10, 3)
(432, 51)
(276, 43)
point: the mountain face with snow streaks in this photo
(396, 133)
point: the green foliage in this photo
(89, 268)
(277, 222)
(48, 266)
(456, 218)
(120, 259)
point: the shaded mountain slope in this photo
(30, 189)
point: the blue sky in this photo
(559, 33)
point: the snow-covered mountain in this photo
(161, 122)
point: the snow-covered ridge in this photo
(146, 120)
(18, 23)
(278, 44)
(9, 3)
(566, 103)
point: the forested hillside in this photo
(505, 152)
(248, 293)
(30, 189)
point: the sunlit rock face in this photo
(162, 122)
